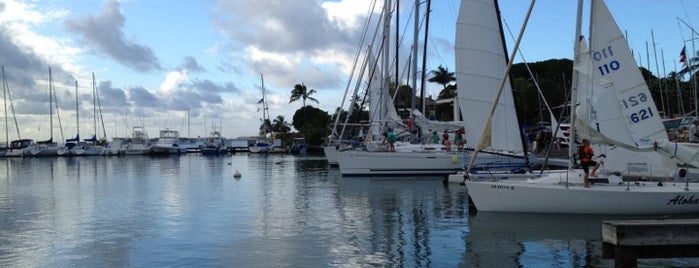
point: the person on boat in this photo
(586, 161)
(391, 138)
(679, 175)
(445, 140)
(435, 137)
(694, 132)
(459, 139)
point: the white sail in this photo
(480, 65)
(615, 102)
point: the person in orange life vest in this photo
(586, 161)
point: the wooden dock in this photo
(626, 241)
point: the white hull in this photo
(43, 150)
(356, 163)
(331, 153)
(14, 153)
(625, 198)
(135, 151)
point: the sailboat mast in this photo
(574, 88)
(657, 75)
(4, 94)
(424, 60)
(413, 91)
(50, 104)
(77, 112)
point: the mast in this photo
(416, 30)
(572, 142)
(657, 77)
(77, 113)
(99, 107)
(50, 105)
(424, 60)
(4, 94)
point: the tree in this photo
(314, 122)
(301, 92)
(280, 125)
(442, 76)
(265, 127)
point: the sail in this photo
(480, 66)
(615, 105)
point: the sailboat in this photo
(47, 147)
(616, 108)
(480, 63)
(92, 146)
(265, 144)
(71, 146)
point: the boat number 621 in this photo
(635, 100)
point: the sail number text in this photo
(635, 100)
(609, 66)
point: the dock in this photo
(628, 240)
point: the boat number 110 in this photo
(632, 102)
(607, 67)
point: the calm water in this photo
(285, 211)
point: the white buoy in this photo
(236, 174)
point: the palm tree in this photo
(280, 125)
(300, 91)
(442, 76)
(266, 127)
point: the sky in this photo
(194, 65)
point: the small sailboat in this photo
(615, 107)
(46, 147)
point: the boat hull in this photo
(359, 163)
(625, 198)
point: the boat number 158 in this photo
(632, 101)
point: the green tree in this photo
(265, 127)
(314, 122)
(301, 92)
(280, 125)
(442, 76)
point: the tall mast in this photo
(4, 94)
(77, 112)
(574, 88)
(50, 104)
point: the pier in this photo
(626, 241)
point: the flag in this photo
(683, 55)
(260, 101)
(684, 71)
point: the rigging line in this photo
(365, 28)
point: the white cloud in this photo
(173, 81)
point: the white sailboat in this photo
(615, 107)
(480, 63)
(265, 144)
(47, 147)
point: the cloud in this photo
(284, 40)
(111, 96)
(104, 31)
(141, 97)
(191, 65)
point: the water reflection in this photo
(285, 211)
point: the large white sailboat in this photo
(615, 107)
(480, 64)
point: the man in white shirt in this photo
(694, 132)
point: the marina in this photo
(284, 210)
